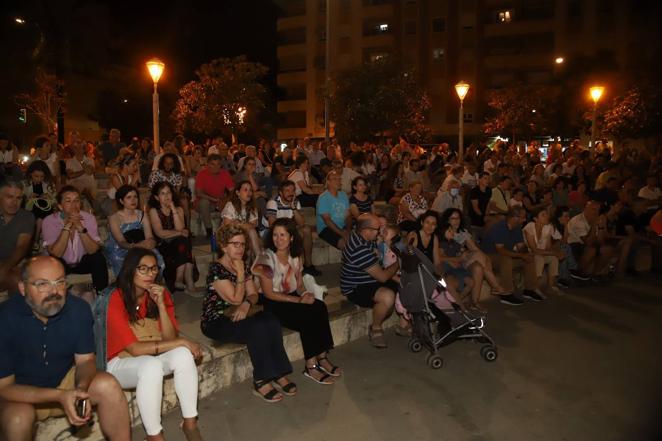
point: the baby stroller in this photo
(437, 320)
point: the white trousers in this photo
(145, 373)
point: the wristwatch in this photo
(83, 231)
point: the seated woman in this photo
(248, 173)
(412, 205)
(280, 268)
(475, 260)
(127, 174)
(539, 235)
(360, 201)
(240, 210)
(143, 345)
(459, 279)
(303, 191)
(425, 238)
(170, 169)
(167, 220)
(39, 192)
(230, 295)
(129, 228)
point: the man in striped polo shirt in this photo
(287, 205)
(363, 280)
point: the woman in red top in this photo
(143, 364)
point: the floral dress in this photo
(213, 305)
(416, 206)
(116, 254)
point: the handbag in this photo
(134, 236)
(146, 329)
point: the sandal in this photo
(324, 379)
(403, 331)
(191, 435)
(335, 370)
(376, 337)
(273, 396)
(289, 389)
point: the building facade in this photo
(486, 43)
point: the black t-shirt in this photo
(483, 198)
(286, 163)
(629, 217)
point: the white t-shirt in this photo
(470, 180)
(548, 233)
(651, 195)
(297, 176)
(578, 228)
(83, 181)
(348, 175)
(52, 163)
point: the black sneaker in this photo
(511, 299)
(532, 295)
(563, 284)
(575, 274)
(312, 271)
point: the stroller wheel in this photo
(489, 353)
(415, 345)
(435, 361)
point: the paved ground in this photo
(585, 366)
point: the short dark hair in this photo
(356, 180)
(66, 189)
(213, 157)
(286, 183)
(40, 141)
(300, 160)
(123, 191)
(42, 167)
(177, 166)
(514, 211)
(296, 247)
(153, 198)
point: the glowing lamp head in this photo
(559, 60)
(461, 88)
(596, 93)
(19, 20)
(155, 68)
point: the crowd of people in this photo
(576, 217)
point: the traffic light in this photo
(23, 115)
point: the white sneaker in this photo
(540, 293)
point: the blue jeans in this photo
(567, 264)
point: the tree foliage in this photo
(213, 103)
(521, 111)
(47, 97)
(635, 114)
(377, 98)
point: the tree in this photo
(520, 111)
(47, 98)
(377, 98)
(226, 95)
(635, 114)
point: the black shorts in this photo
(364, 295)
(579, 248)
(329, 236)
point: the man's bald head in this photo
(367, 220)
(40, 264)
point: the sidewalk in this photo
(579, 367)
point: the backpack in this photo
(100, 313)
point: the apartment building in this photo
(486, 43)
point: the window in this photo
(438, 24)
(438, 54)
(382, 27)
(468, 117)
(410, 28)
(378, 56)
(504, 16)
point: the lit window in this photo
(383, 27)
(378, 56)
(438, 54)
(504, 16)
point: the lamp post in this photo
(155, 68)
(596, 93)
(327, 72)
(461, 88)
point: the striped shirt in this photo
(357, 257)
(276, 208)
(363, 206)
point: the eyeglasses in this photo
(144, 269)
(238, 244)
(372, 228)
(45, 286)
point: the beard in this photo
(49, 307)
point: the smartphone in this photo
(81, 408)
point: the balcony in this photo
(286, 23)
(285, 79)
(290, 49)
(518, 27)
(291, 106)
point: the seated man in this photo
(48, 362)
(504, 243)
(587, 236)
(71, 235)
(288, 206)
(363, 280)
(333, 216)
(212, 184)
(16, 229)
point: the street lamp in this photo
(461, 88)
(155, 68)
(596, 93)
(559, 60)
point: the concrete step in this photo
(222, 366)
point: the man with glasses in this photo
(71, 235)
(333, 216)
(48, 366)
(504, 243)
(16, 230)
(363, 280)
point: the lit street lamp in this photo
(461, 88)
(155, 68)
(559, 60)
(596, 93)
